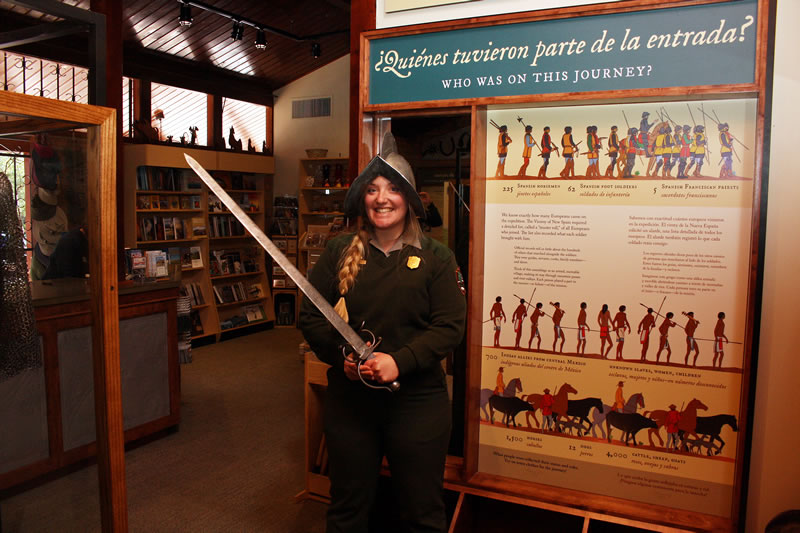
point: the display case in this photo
(74, 183)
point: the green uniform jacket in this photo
(418, 312)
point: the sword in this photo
(360, 347)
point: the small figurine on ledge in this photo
(183, 139)
(264, 147)
(233, 142)
(193, 131)
(250, 147)
(169, 139)
(158, 115)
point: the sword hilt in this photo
(367, 354)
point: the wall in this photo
(464, 10)
(293, 136)
(774, 483)
(775, 461)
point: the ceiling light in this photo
(186, 15)
(238, 31)
(316, 50)
(261, 40)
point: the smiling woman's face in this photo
(386, 205)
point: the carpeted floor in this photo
(234, 466)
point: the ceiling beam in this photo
(177, 72)
(40, 32)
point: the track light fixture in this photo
(261, 40)
(238, 31)
(239, 22)
(186, 15)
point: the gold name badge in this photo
(413, 262)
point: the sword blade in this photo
(349, 334)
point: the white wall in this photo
(775, 457)
(293, 136)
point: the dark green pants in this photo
(411, 428)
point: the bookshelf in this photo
(222, 268)
(322, 183)
(283, 230)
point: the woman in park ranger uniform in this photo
(406, 288)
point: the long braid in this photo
(349, 266)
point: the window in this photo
(175, 111)
(249, 122)
(40, 77)
(127, 107)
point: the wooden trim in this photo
(476, 261)
(623, 6)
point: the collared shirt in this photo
(398, 245)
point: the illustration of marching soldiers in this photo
(527, 148)
(537, 312)
(558, 314)
(583, 328)
(647, 323)
(613, 151)
(547, 148)
(621, 323)
(569, 150)
(663, 342)
(691, 343)
(719, 336)
(503, 140)
(518, 318)
(497, 316)
(604, 321)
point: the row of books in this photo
(194, 292)
(146, 264)
(248, 315)
(237, 292)
(225, 262)
(248, 201)
(173, 202)
(161, 228)
(225, 226)
(166, 179)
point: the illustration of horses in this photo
(686, 424)
(711, 427)
(579, 411)
(514, 386)
(629, 423)
(509, 406)
(633, 404)
(560, 404)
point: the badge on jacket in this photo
(413, 262)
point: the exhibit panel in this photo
(614, 274)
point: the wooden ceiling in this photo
(203, 56)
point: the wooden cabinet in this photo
(223, 268)
(284, 234)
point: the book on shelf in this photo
(255, 290)
(196, 256)
(218, 294)
(135, 264)
(169, 231)
(227, 294)
(253, 313)
(148, 230)
(163, 202)
(198, 226)
(185, 202)
(156, 265)
(142, 201)
(174, 202)
(179, 227)
(237, 181)
(186, 258)
(197, 324)
(215, 204)
(174, 256)
(193, 291)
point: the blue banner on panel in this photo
(680, 47)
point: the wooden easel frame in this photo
(465, 472)
(45, 114)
